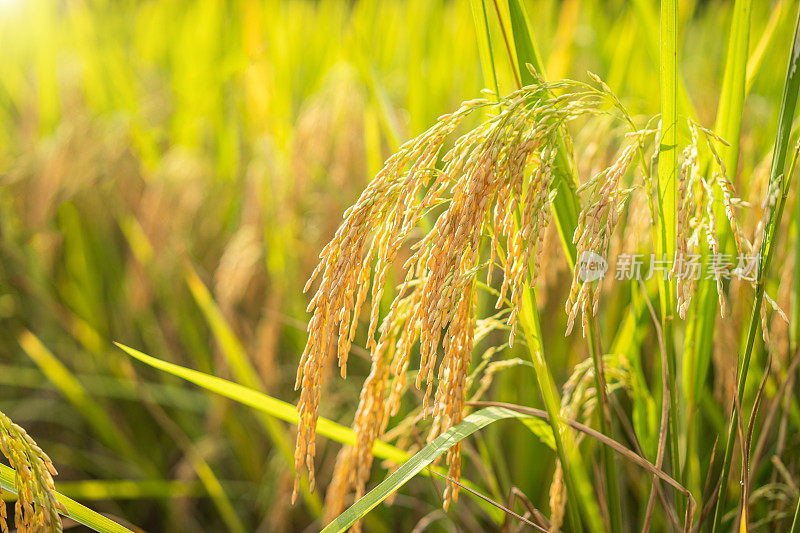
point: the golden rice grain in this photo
(493, 184)
(37, 507)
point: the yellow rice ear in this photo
(37, 508)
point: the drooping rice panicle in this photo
(494, 180)
(685, 232)
(592, 235)
(37, 507)
(486, 165)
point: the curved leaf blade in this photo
(262, 402)
(417, 463)
(279, 409)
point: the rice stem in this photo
(565, 208)
(788, 105)
(697, 354)
(667, 188)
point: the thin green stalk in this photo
(667, 187)
(575, 475)
(565, 208)
(604, 416)
(796, 521)
(776, 177)
(697, 354)
(485, 45)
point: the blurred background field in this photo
(169, 172)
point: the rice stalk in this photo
(565, 209)
(578, 402)
(766, 250)
(666, 204)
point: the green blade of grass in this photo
(76, 511)
(264, 403)
(734, 82)
(417, 463)
(777, 181)
(244, 371)
(668, 151)
(667, 189)
(525, 45)
(484, 39)
(276, 408)
(647, 19)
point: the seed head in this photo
(37, 507)
(490, 191)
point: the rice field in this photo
(461, 266)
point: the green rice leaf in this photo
(262, 402)
(274, 407)
(417, 463)
(542, 430)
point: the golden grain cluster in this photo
(37, 507)
(490, 191)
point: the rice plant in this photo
(472, 265)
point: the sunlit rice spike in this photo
(37, 508)
(493, 180)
